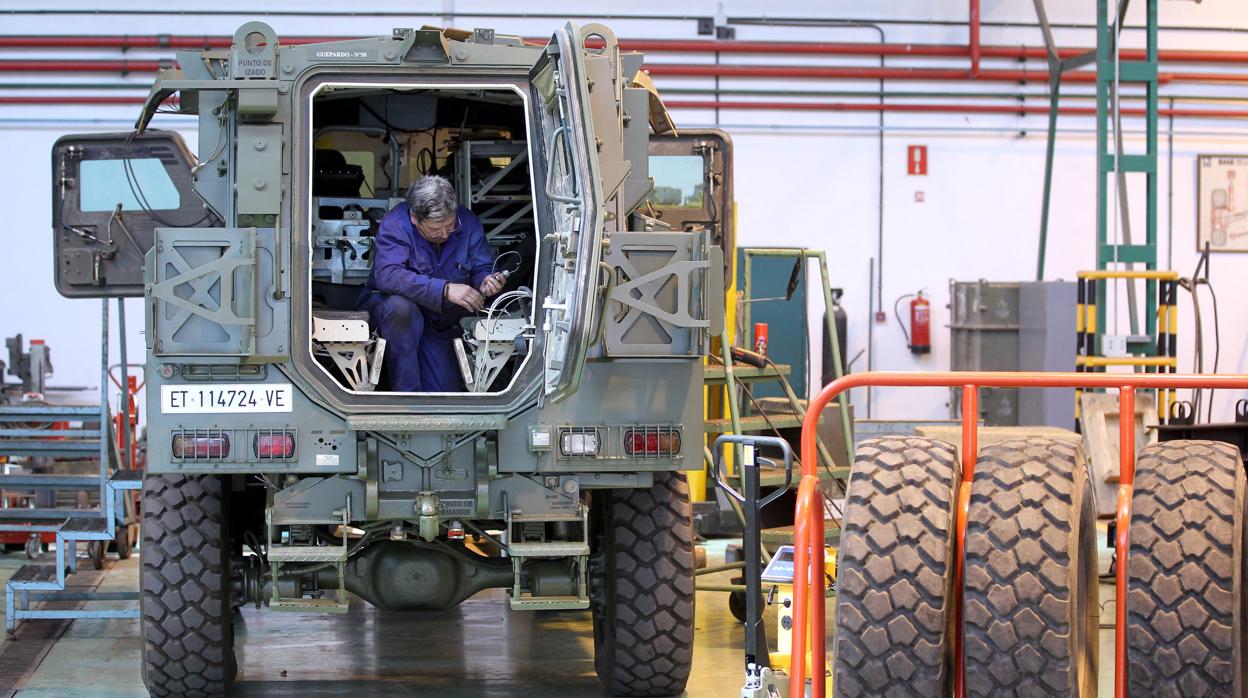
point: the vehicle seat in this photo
(343, 338)
(340, 326)
(332, 176)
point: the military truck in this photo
(282, 470)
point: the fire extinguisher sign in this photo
(916, 160)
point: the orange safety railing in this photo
(808, 601)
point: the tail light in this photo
(201, 445)
(275, 445)
(652, 442)
(580, 442)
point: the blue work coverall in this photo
(405, 297)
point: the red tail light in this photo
(276, 445)
(203, 445)
(652, 442)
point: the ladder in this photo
(88, 434)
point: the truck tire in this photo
(1187, 610)
(895, 570)
(184, 592)
(1031, 619)
(642, 588)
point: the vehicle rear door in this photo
(572, 188)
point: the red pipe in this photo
(803, 600)
(943, 108)
(974, 37)
(685, 70)
(1122, 543)
(777, 106)
(914, 74)
(916, 50)
(61, 99)
(970, 455)
(150, 41)
(656, 45)
(692, 70)
(851, 73)
(811, 536)
(82, 66)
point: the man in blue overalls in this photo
(430, 259)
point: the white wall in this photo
(802, 179)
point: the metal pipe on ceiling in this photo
(407, 14)
(1020, 109)
(157, 41)
(973, 36)
(1017, 97)
(69, 99)
(123, 66)
(743, 105)
(801, 72)
(908, 74)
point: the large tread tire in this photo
(1187, 609)
(1031, 618)
(894, 603)
(184, 599)
(644, 589)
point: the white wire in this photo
(501, 303)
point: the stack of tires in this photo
(1030, 606)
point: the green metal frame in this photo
(734, 409)
(1141, 72)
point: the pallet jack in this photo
(766, 674)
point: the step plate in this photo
(552, 549)
(306, 554)
(34, 573)
(126, 480)
(309, 605)
(86, 528)
(548, 603)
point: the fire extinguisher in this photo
(919, 337)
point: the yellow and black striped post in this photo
(1080, 346)
(1163, 344)
(1085, 335)
(1089, 323)
(1167, 339)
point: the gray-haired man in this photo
(429, 254)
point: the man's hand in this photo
(465, 297)
(492, 284)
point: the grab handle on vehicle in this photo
(550, 170)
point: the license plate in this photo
(226, 398)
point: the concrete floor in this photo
(478, 649)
